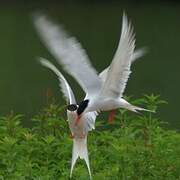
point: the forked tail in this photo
(80, 150)
(137, 109)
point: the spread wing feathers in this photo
(69, 53)
(119, 69)
(136, 55)
(65, 88)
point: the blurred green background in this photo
(25, 85)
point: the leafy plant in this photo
(134, 146)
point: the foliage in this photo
(134, 146)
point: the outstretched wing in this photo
(69, 53)
(119, 70)
(137, 54)
(65, 88)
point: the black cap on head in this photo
(72, 107)
(82, 106)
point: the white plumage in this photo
(104, 92)
(119, 70)
(136, 55)
(86, 124)
(69, 53)
(64, 86)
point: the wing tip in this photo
(38, 17)
(127, 28)
(44, 62)
(139, 53)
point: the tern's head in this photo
(72, 107)
(82, 106)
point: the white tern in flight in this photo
(104, 93)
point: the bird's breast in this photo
(77, 130)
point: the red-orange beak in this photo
(77, 120)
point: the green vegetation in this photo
(132, 147)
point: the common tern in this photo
(104, 93)
(79, 131)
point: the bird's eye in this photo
(72, 107)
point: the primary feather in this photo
(69, 53)
(136, 55)
(119, 70)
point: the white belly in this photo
(107, 104)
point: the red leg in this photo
(111, 116)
